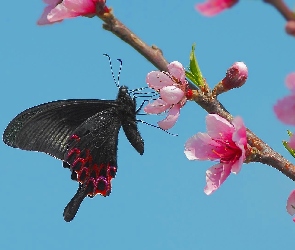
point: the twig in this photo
(282, 8)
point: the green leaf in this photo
(290, 150)
(191, 77)
(194, 73)
(286, 145)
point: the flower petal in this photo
(290, 81)
(201, 147)
(51, 5)
(215, 176)
(240, 138)
(158, 80)
(292, 141)
(240, 133)
(291, 203)
(213, 7)
(52, 2)
(71, 8)
(156, 107)
(171, 94)
(43, 19)
(60, 12)
(176, 69)
(218, 127)
(284, 109)
(171, 118)
(81, 6)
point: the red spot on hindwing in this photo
(97, 177)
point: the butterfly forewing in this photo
(46, 128)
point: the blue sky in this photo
(157, 201)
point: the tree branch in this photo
(261, 151)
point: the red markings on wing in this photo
(97, 177)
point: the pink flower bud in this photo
(236, 76)
(290, 28)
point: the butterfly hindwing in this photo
(92, 151)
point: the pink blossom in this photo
(213, 7)
(285, 107)
(174, 91)
(57, 10)
(291, 204)
(225, 142)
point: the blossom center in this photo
(227, 151)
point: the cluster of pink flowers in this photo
(174, 91)
(225, 142)
(57, 10)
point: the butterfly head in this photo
(125, 99)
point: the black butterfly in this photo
(81, 133)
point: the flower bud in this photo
(235, 77)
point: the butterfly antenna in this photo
(136, 93)
(152, 125)
(145, 95)
(73, 206)
(111, 66)
(120, 69)
(138, 89)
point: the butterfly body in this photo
(81, 133)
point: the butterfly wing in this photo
(46, 127)
(92, 151)
(92, 157)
